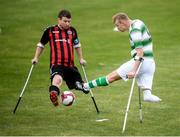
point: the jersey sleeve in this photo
(45, 37)
(76, 42)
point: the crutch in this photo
(91, 93)
(30, 72)
(129, 100)
(140, 106)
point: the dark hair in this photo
(64, 13)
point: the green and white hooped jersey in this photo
(140, 38)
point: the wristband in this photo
(137, 58)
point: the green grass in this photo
(21, 26)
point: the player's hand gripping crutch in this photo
(92, 96)
(130, 95)
(30, 72)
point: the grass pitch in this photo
(21, 26)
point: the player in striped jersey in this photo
(63, 39)
(141, 49)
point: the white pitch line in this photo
(101, 120)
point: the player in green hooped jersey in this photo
(141, 50)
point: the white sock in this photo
(147, 92)
(148, 97)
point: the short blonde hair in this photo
(120, 16)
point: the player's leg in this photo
(145, 80)
(56, 81)
(74, 80)
(120, 73)
(103, 81)
(149, 97)
(100, 81)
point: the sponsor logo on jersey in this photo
(55, 31)
(63, 40)
(69, 32)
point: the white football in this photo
(67, 98)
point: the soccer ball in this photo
(67, 98)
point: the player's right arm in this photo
(40, 46)
(38, 52)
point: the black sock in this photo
(54, 88)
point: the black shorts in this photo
(69, 74)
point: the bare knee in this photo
(57, 80)
(113, 77)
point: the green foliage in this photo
(21, 26)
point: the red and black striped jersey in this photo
(62, 43)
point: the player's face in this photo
(64, 22)
(121, 25)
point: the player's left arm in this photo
(80, 56)
(77, 46)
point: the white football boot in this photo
(148, 97)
